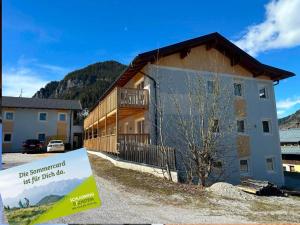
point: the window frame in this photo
(39, 134)
(138, 83)
(270, 126)
(213, 86)
(273, 162)
(13, 115)
(11, 137)
(218, 126)
(242, 89)
(137, 126)
(62, 113)
(263, 86)
(39, 117)
(248, 172)
(237, 127)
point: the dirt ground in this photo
(132, 197)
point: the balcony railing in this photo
(135, 138)
(133, 97)
(118, 98)
(108, 143)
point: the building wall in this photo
(255, 146)
(27, 126)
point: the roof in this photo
(290, 135)
(213, 40)
(40, 103)
(290, 150)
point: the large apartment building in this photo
(128, 110)
(43, 119)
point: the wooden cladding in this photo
(240, 108)
(118, 98)
(106, 143)
(243, 146)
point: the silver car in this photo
(56, 146)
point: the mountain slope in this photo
(291, 121)
(49, 199)
(86, 84)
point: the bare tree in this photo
(205, 126)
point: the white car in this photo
(56, 146)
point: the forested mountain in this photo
(86, 84)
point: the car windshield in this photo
(56, 142)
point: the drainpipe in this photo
(70, 129)
(276, 82)
(155, 99)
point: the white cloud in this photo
(52, 68)
(286, 106)
(15, 80)
(288, 103)
(280, 29)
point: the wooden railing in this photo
(133, 97)
(154, 155)
(118, 97)
(108, 143)
(136, 138)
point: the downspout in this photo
(70, 129)
(276, 82)
(155, 99)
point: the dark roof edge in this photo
(143, 58)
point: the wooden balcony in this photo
(119, 98)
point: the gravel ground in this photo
(123, 203)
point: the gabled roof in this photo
(290, 135)
(40, 103)
(213, 40)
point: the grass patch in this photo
(158, 188)
(25, 215)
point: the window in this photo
(215, 126)
(217, 164)
(9, 115)
(140, 127)
(62, 116)
(210, 86)
(263, 93)
(266, 126)
(292, 169)
(237, 89)
(42, 116)
(240, 126)
(42, 137)
(7, 137)
(140, 85)
(270, 164)
(244, 167)
(284, 168)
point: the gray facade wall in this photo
(173, 81)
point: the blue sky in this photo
(44, 40)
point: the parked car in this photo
(56, 146)
(32, 146)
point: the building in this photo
(128, 110)
(290, 149)
(43, 119)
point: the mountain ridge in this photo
(86, 84)
(291, 121)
